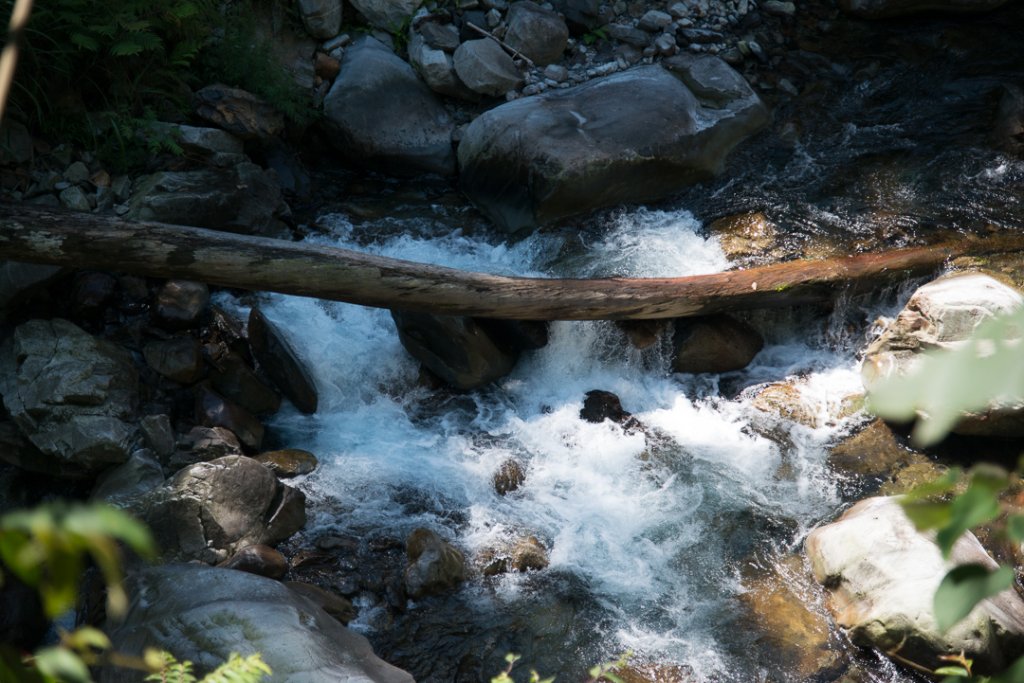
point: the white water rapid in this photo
(656, 543)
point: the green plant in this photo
(597, 34)
(602, 672)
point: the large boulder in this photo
(321, 18)
(389, 15)
(881, 575)
(281, 363)
(638, 135)
(380, 115)
(73, 395)
(942, 315)
(485, 68)
(244, 199)
(203, 614)
(210, 510)
(882, 9)
(713, 343)
(538, 33)
(436, 67)
(456, 349)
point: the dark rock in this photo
(211, 145)
(486, 68)
(210, 510)
(872, 451)
(439, 36)
(258, 559)
(326, 67)
(321, 18)
(714, 343)
(234, 379)
(538, 33)
(213, 410)
(409, 132)
(91, 293)
(599, 406)
(883, 9)
(1009, 126)
(279, 361)
(208, 443)
(642, 334)
(634, 136)
(17, 450)
(509, 477)
(338, 607)
(238, 112)
(139, 475)
(71, 394)
(16, 146)
(456, 349)
(527, 554)
(243, 199)
(654, 21)
(581, 16)
(22, 624)
(386, 14)
(158, 434)
(437, 69)
(290, 462)
(180, 303)
(434, 567)
(203, 614)
(18, 281)
(515, 335)
(178, 358)
(629, 35)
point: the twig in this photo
(9, 57)
(516, 54)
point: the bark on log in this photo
(82, 240)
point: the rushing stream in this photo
(652, 540)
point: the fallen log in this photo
(83, 240)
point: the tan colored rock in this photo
(288, 462)
(509, 477)
(785, 400)
(872, 451)
(746, 236)
(435, 566)
(527, 554)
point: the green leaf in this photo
(952, 671)
(974, 506)
(927, 515)
(85, 42)
(964, 587)
(125, 48)
(1015, 527)
(62, 665)
(87, 638)
(936, 487)
(1013, 674)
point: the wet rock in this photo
(71, 394)
(210, 510)
(243, 198)
(203, 614)
(537, 159)
(410, 132)
(18, 281)
(203, 444)
(178, 358)
(485, 68)
(321, 18)
(434, 567)
(794, 635)
(909, 477)
(642, 334)
(599, 406)
(290, 462)
(785, 400)
(258, 559)
(234, 379)
(538, 33)
(279, 361)
(746, 236)
(136, 477)
(158, 434)
(527, 554)
(179, 304)
(213, 410)
(237, 111)
(509, 477)
(940, 315)
(91, 293)
(456, 349)
(437, 69)
(713, 343)
(386, 14)
(335, 605)
(1008, 131)
(654, 672)
(212, 145)
(881, 575)
(882, 9)
(515, 335)
(872, 451)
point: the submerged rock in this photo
(380, 115)
(435, 566)
(637, 135)
(72, 395)
(203, 614)
(713, 343)
(526, 554)
(881, 574)
(509, 477)
(941, 315)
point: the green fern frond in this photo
(238, 669)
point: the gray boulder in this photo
(213, 145)
(638, 135)
(73, 395)
(210, 510)
(436, 68)
(380, 115)
(538, 33)
(456, 349)
(941, 315)
(139, 475)
(281, 363)
(244, 199)
(485, 68)
(321, 18)
(386, 14)
(881, 575)
(203, 614)
(882, 9)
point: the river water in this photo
(651, 543)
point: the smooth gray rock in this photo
(456, 349)
(158, 434)
(139, 475)
(243, 199)
(654, 20)
(74, 198)
(538, 33)
(629, 35)
(439, 36)
(942, 315)
(199, 140)
(321, 18)
(71, 394)
(485, 68)
(203, 614)
(883, 9)
(281, 363)
(386, 14)
(634, 136)
(210, 510)
(881, 575)
(381, 116)
(437, 69)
